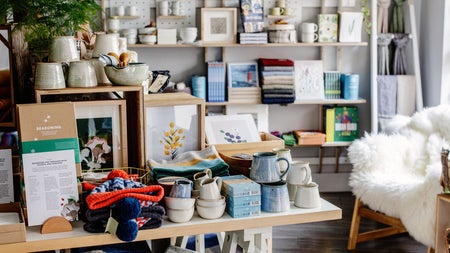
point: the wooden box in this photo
(309, 138)
(268, 143)
(14, 232)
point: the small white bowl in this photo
(211, 213)
(210, 202)
(147, 39)
(147, 30)
(179, 203)
(180, 215)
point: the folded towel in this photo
(387, 95)
(277, 100)
(277, 86)
(277, 73)
(275, 62)
(406, 95)
(189, 163)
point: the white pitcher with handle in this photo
(299, 174)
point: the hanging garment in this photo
(383, 42)
(398, 24)
(400, 41)
(383, 10)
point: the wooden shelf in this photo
(172, 17)
(299, 44)
(279, 16)
(303, 102)
(126, 17)
(35, 241)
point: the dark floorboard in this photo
(332, 236)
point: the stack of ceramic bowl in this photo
(147, 35)
(210, 204)
(179, 204)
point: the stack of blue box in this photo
(243, 196)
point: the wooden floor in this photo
(331, 236)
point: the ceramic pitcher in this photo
(300, 174)
(265, 168)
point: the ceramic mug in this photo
(309, 37)
(274, 197)
(275, 11)
(105, 43)
(164, 9)
(309, 27)
(285, 153)
(49, 75)
(307, 196)
(299, 174)
(181, 188)
(63, 49)
(210, 188)
(81, 75)
(200, 176)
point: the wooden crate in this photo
(268, 143)
(14, 232)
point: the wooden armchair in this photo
(396, 177)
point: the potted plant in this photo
(42, 20)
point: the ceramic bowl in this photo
(180, 215)
(133, 74)
(188, 34)
(211, 213)
(147, 30)
(147, 39)
(210, 202)
(179, 203)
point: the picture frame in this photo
(218, 25)
(165, 114)
(242, 74)
(226, 129)
(259, 112)
(309, 80)
(102, 124)
(350, 26)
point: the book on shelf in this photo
(216, 82)
(332, 84)
(341, 123)
(252, 15)
(328, 27)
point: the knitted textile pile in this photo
(132, 204)
(277, 81)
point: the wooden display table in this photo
(35, 241)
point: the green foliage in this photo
(366, 15)
(44, 19)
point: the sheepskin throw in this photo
(398, 173)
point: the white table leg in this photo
(229, 242)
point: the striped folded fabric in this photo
(189, 163)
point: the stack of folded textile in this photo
(277, 80)
(132, 204)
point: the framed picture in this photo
(102, 134)
(218, 25)
(259, 112)
(350, 26)
(309, 80)
(173, 125)
(242, 75)
(226, 129)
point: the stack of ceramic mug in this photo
(210, 203)
(179, 204)
(265, 170)
(309, 32)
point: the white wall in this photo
(435, 51)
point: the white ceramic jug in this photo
(299, 174)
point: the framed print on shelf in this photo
(102, 134)
(218, 25)
(242, 74)
(173, 125)
(226, 129)
(309, 80)
(259, 112)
